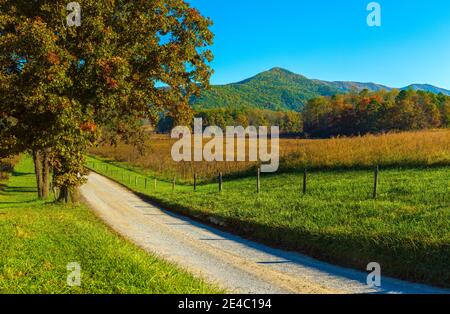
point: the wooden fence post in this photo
(155, 184)
(195, 182)
(258, 181)
(375, 182)
(220, 181)
(305, 179)
(146, 183)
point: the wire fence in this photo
(132, 178)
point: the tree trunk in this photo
(68, 195)
(46, 174)
(75, 195)
(64, 194)
(38, 171)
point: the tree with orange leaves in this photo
(61, 86)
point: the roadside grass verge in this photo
(39, 239)
(406, 230)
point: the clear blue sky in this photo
(330, 40)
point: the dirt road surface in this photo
(236, 264)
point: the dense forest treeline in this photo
(290, 122)
(342, 114)
(375, 112)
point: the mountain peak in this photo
(282, 71)
(275, 73)
(281, 89)
(279, 69)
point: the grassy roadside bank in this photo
(407, 230)
(39, 239)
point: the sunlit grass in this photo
(406, 230)
(422, 148)
(39, 239)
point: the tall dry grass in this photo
(422, 148)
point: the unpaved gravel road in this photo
(236, 264)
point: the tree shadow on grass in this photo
(19, 202)
(14, 194)
(19, 189)
(21, 174)
(338, 254)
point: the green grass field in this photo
(406, 230)
(39, 239)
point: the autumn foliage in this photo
(61, 86)
(375, 112)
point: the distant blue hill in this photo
(280, 89)
(428, 88)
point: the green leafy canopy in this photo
(60, 85)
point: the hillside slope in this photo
(275, 89)
(280, 89)
(428, 88)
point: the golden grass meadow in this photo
(406, 149)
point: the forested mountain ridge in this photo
(280, 89)
(427, 88)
